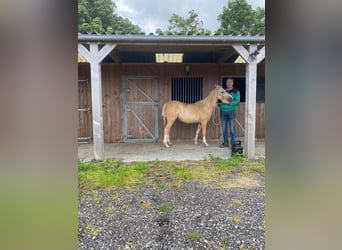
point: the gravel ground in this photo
(193, 216)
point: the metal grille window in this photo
(187, 89)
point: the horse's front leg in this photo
(197, 132)
(204, 131)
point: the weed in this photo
(130, 243)
(111, 209)
(92, 231)
(176, 184)
(195, 236)
(241, 247)
(182, 173)
(263, 225)
(161, 185)
(235, 203)
(212, 157)
(236, 160)
(225, 242)
(166, 207)
(145, 205)
(236, 219)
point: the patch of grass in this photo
(166, 206)
(239, 181)
(111, 173)
(234, 161)
(164, 174)
(195, 236)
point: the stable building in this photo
(124, 81)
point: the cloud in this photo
(153, 14)
(123, 8)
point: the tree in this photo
(259, 25)
(98, 16)
(240, 18)
(180, 26)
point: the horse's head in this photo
(222, 94)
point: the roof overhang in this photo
(201, 49)
(176, 39)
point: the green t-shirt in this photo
(235, 93)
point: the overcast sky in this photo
(152, 14)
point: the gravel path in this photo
(193, 216)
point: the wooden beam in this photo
(94, 56)
(226, 56)
(96, 100)
(242, 52)
(105, 50)
(84, 52)
(114, 57)
(251, 76)
(261, 55)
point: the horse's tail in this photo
(163, 113)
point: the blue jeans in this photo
(225, 119)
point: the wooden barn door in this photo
(140, 108)
(85, 125)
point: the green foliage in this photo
(166, 207)
(98, 16)
(240, 18)
(194, 236)
(184, 26)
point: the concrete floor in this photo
(147, 151)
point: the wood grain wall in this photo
(85, 123)
(112, 75)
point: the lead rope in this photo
(215, 117)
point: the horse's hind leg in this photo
(197, 132)
(167, 129)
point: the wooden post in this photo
(94, 56)
(252, 59)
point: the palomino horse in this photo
(198, 112)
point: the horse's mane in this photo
(208, 96)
